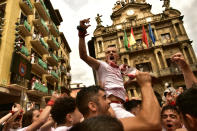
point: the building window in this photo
(139, 41)
(165, 38)
(178, 29)
(125, 61)
(100, 46)
(145, 67)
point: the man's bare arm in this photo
(189, 77)
(149, 116)
(82, 47)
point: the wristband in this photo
(82, 32)
(12, 112)
(50, 103)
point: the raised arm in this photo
(82, 47)
(149, 116)
(189, 77)
(44, 115)
(15, 108)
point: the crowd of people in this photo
(104, 107)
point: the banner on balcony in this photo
(21, 66)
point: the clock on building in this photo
(130, 12)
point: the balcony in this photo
(53, 77)
(170, 71)
(24, 29)
(53, 43)
(62, 59)
(24, 51)
(52, 59)
(40, 46)
(40, 90)
(40, 67)
(63, 70)
(42, 10)
(53, 29)
(26, 7)
(41, 27)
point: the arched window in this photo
(125, 61)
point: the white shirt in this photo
(111, 79)
(62, 128)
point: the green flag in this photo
(125, 40)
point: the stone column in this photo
(164, 60)
(135, 92)
(129, 94)
(155, 33)
(191, 54)
(176, 32)
(157, 59)
(182, 28)
(103, 48)
(184, 54)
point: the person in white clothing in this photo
(109, 73)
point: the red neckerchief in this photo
(114, 65)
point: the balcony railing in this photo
(26, 6)
(53, 29)
(42, 10)
(52, 60)
(54, 74)
(40, 46)
(41, 27)
(39, 67)
(24, 28)
(24, 50)
(42, 64)
(53, 43)
(41, 87)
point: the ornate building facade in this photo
(34, 55)
(170, 38)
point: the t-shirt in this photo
(111, 79)
(62, 128)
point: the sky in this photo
(72, 11)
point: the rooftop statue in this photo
(166, 4)
(98, 20)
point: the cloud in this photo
(75, 4)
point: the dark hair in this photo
(99, 123)
(170, 107)
(61, 108)
(132, 104)
(28, 118)
(86, 95)
(186, 102)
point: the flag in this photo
(151, 34)
(144, 36)
(126, 40)
(132, 38)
